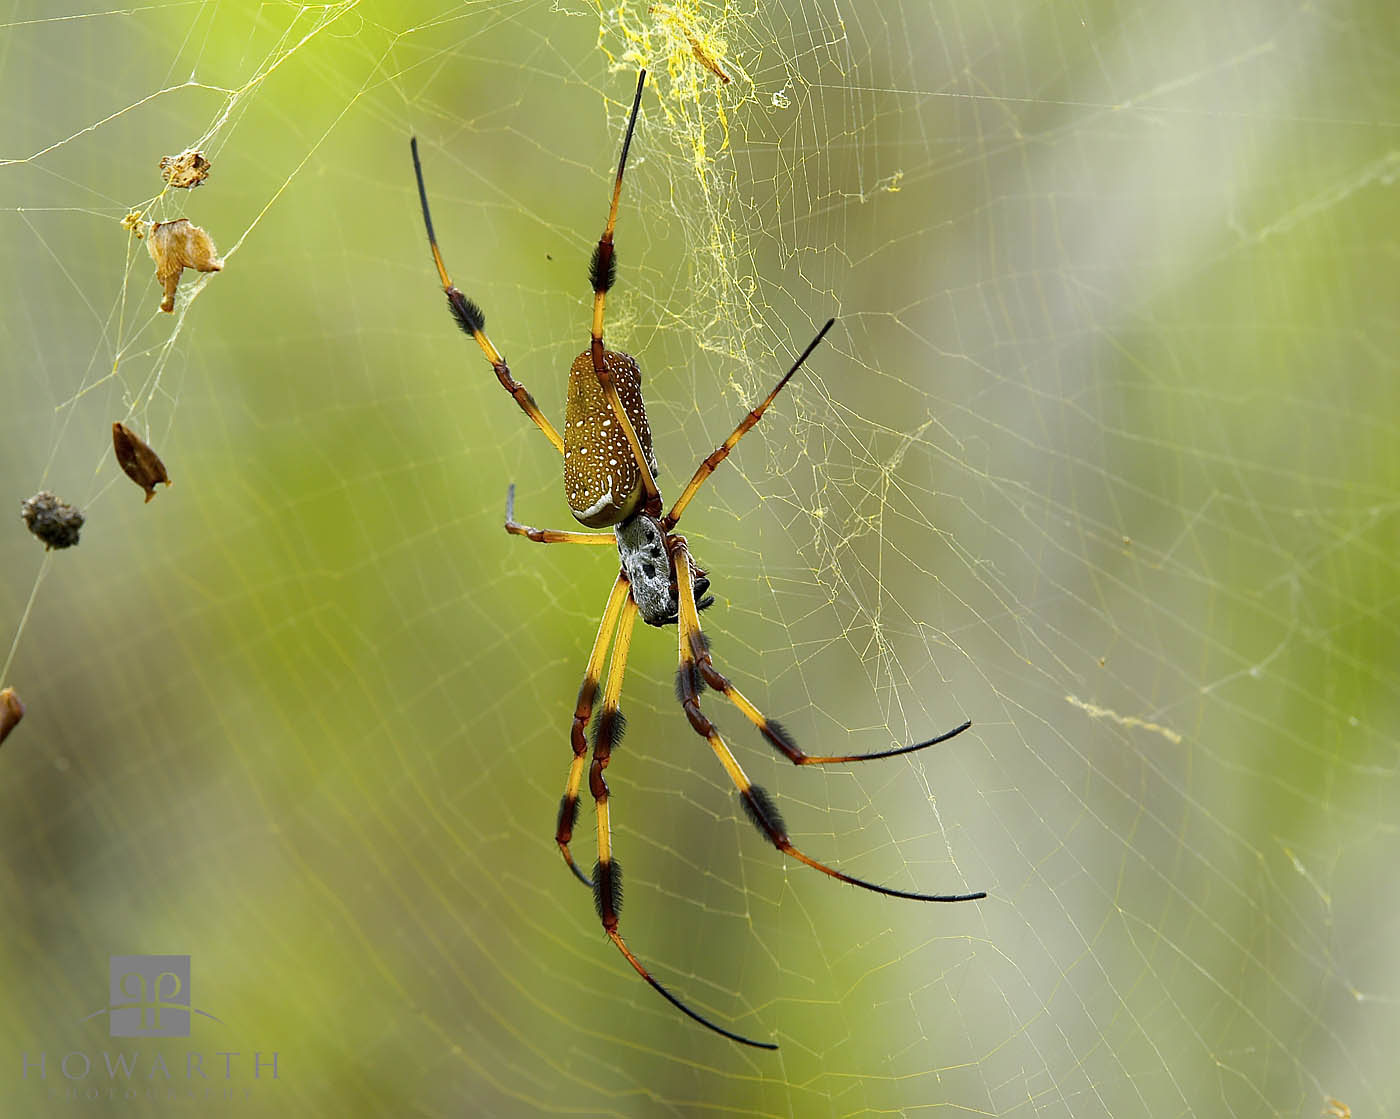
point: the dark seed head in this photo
(54, 522)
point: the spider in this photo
(610, 483)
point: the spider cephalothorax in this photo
(610, 482)
(641, 543)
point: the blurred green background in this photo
(1101, 455)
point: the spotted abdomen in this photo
(602, 482)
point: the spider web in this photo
(1100, 455)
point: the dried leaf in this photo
(186, 170)
(141, 464)
(54, 522)
(175, 246)
(11, 712)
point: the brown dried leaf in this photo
(141, 464)
(175, 246)
(186, 170)
(11, 712)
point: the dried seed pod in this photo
(175, 246)
(54, 522)
(186, 170)
(141, 464)
(11, 711)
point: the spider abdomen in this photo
(602, 482)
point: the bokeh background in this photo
(1101, 455)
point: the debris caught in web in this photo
(11, 712)
(186, 170)
(141, 464)
(54, 522)
(706, 47)
(175, 246)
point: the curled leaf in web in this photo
(54, 522)
(175, 246)
(11, 712)
(136, 458)
(185, 171)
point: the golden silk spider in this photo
(610, 482)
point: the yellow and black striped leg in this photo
(602, 272)
(711, 461)
(473, 322)
(588, 691)
(757, 803)
(607, 874)
(607, 732)
(706, 674)
(550, 535)
(703, 673)
(781, 740)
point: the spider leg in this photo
(706, 673)
(550, 535)
(757, 803)
(607, 874)
(568, 803)
(473, 322)
(720, 453)
(602, 271)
